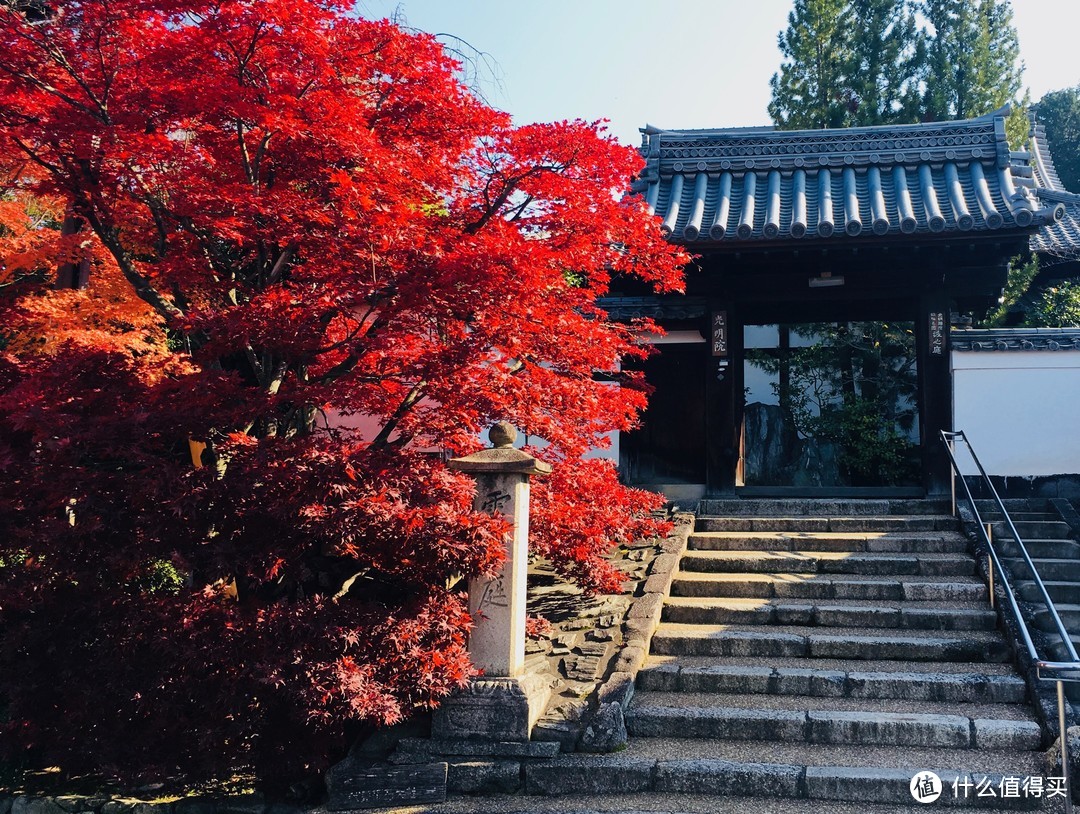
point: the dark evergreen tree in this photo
(973, 61)
(808, 91)
(1059, 112)
(865, 62)
(882, 67)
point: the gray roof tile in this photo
(1057, 241)
(751, 185)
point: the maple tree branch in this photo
(60, 60)
(253, 360)
(109, 236)
(286, 257)
(33, 156)
(17, 278)
(520, 210)
(274, 385)
(509, 188)
(383, 438)
(244, 156)
(157, 212)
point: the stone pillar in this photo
(503, 704)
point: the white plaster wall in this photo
(1020, 410)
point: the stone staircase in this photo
(1056, 556)
(822, 651)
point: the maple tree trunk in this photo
(72, 275)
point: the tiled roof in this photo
(755, 185)
(1016, 339)
(1058, 241)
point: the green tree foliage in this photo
(972, 58)
(882, 66)
(1058, 306)
(866, 62)
(853, 388)
(1059, 112)
(808, 90)
(972, 61)
(1053, 304)
(1022, 273)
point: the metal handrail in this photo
(1046, 669)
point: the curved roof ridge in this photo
(976, 122)
(1057, 241)
(1043, 162)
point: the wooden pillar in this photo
(935, 388)
(723, 404)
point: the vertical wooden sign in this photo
(937, 333)
(720, 334)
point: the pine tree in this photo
(808, 90)
(882, 69)
(866, 62)
(973, 57)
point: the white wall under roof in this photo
(1020, 409)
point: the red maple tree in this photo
(345, 264)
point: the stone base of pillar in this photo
(496, 709)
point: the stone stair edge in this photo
(865, 684)
(731, 778)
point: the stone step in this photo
(827, 562)
(1063, 591)
(925, 542)
(857, 682)
(828, 586)
(1044, 549)
(996, 516)
(827, 643)
(925, 616)
(1035, 530)
(841, 664)
(813, 703)
(820, 507)
(1069, 613)
(911, 523)
(1015, 505)
(1050, 569)
(833, 726)
(651, 802)
(678, 772)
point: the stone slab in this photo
(479, 747)
(589, 774)
(618, 689)
(997, 734)
(351, 785)
(726, 778)
(717, 722)
(890, 729)
(483, 777)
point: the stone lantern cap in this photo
(501, 457)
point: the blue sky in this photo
(677, 64)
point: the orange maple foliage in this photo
(38, 316)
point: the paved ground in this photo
(668, 804)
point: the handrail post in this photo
(952, 473)
(1064, 746)
(990, 560)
